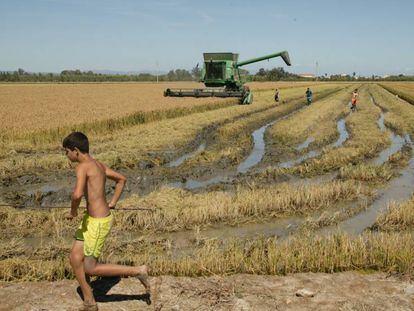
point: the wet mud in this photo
(59, 192)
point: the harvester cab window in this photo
(215, 70)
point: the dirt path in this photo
(340, 291)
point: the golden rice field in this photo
(46, 106)
(270, 219)
(131, 139)
(403, 89)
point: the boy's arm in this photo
(120, 183)
(78, 192)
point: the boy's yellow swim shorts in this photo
(93, 231)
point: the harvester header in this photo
(222, 78)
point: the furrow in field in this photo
(399, 189)
(231, 142)
(365, 141)
(316, 126)
(236, 134)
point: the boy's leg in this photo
(92, 267)
(77, 262)
(95, 238)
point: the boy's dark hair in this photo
(76, 140)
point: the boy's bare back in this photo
(90, 181)
(91, 175)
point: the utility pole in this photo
(156, 71)
(316, 70)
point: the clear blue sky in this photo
(368, 37)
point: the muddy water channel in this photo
(343, 136)
(397, 141)
(257, 153)
(398, 190)
(252, 159)
(186, 156)
(305, 144)
(258, 150)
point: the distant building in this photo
(306, 75)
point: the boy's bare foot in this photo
(142, 275)
(89, 307)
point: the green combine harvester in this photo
(221, 76)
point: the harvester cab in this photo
(221, 76)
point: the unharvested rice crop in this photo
(45, 106)
(30, 107)
(405, 90)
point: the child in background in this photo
(308, 96)
(354, 100)
(277, 95)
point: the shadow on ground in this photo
(102, 285)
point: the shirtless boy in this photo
(354, 100)
(91, 176)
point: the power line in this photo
(23, 207)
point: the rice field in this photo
(259, 189)
(44, 106)
(153, 136)
(404, 90)
(48, 106)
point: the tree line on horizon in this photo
(274, 74)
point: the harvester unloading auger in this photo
(221, 76)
